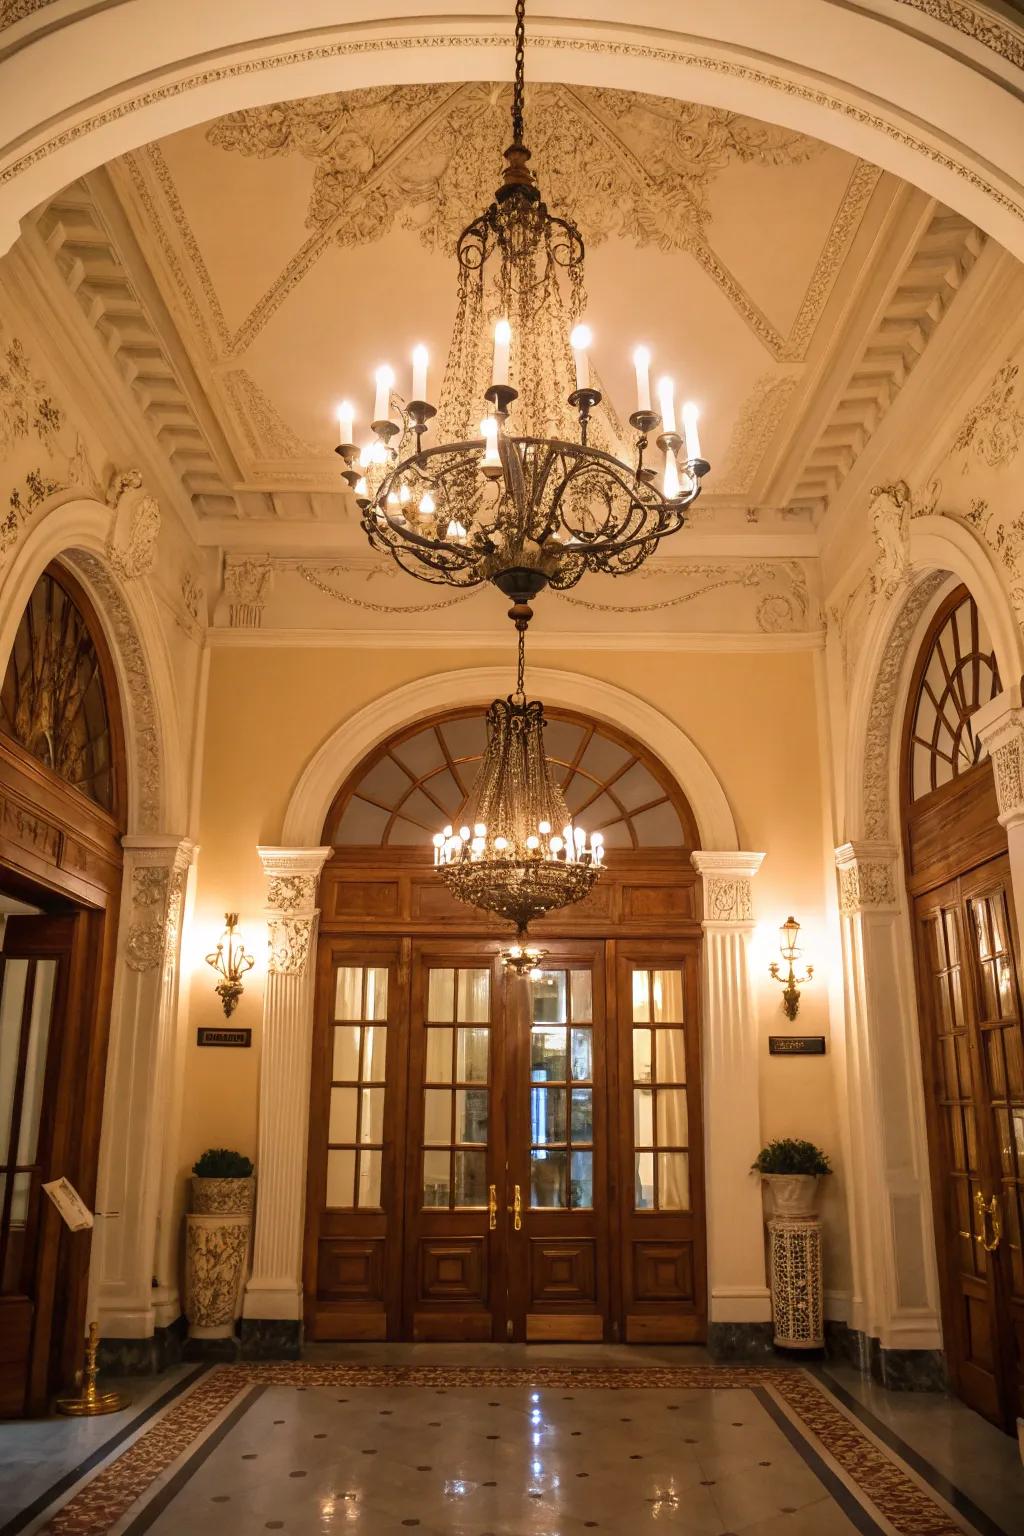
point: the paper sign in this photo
(69, 1202)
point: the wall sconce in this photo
(231, 961)
(788, 935)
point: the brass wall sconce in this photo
(788, 935)
(231, 961)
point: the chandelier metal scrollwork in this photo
(519, 853)
(539, 492)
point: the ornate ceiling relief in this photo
(993, 430)
(422, 158)
(782, 600)
(756, 425)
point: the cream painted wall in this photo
(753, 715)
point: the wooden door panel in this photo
(661, 1178)
(559, 1138)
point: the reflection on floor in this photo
(549, 1441)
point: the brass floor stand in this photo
(91, 1400)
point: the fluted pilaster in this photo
(275, 1287)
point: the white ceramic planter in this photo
(793, 1195)
(217, 1254)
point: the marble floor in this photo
(512, 1442)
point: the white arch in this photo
(923, 98)
(941, 549)
(349, 743)
(75, 528)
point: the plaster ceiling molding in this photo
(978, 23)
(329, 580)
(754, 428)
(12, 11)
(89, 260)
(267, 433)
(193, 597)
(779, 598)
(889, 517)
(926, 288)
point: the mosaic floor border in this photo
(867, 1475)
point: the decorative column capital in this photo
(1000, 726)
(155, 871)
(867, 877)
(727, 879)
(293, 875)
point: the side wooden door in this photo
(558, 1200)
(661, 1160)
(456, 1145)
(355, 1175)
(973, 1057)
(36, 1133)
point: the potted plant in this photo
(791, 1169)
(222, 1184)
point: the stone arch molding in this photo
(350, 742)
(939, 552)
(922, 88)
(78, 531)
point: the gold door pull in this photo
(492, 1207)
(516, 1209)
(988, 1212)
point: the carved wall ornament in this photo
(291, 893)
(324, 581)
(132, 546)
(727, 900)
(784, 605)
(755, 426)
(882, 723)
(1008, 765)
(993, 430)
(867, 878)
(145, 785)
(289, 944)
(890, 527)
(248, 581)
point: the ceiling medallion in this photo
(519, 853)
(539, 496)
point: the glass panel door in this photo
(559, 1131)
(663, 1264)
(454, 1258)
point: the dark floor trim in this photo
(851, 1506)
(19, 1521)
(170, 1490)
(960, 1501)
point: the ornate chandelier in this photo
(519, 852)
(539, 492)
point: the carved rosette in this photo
(293, 875)
(727, 880)
(157, 892)
(867, 878)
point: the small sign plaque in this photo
(234, 1037)
(70, 1204)
(796, 1045)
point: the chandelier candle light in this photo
(519, 507)
(519, 852)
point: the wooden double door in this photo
(494, 1157)
(973, 1050)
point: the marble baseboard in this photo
(265, 1338)
(740, 1341)
(900, 1370)
(144, 1357)
(220, 1350)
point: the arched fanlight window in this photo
(54, 698)
(956, 675)
(417, 782)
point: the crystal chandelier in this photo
(538, 492)
(518, 852)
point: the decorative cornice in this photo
(999, 724)
(292, 878)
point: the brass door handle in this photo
(516, 1209)
(492, 1207)
(988, 1211)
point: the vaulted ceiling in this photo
(247, 274)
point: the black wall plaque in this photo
(796, 1045)
(235, 1037)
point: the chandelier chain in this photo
(520, 692)
(517, 94)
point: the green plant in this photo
(789, 1154)
(219, 1163)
